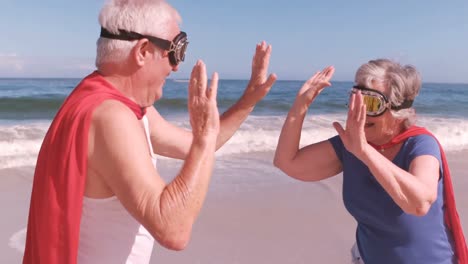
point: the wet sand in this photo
(281, 222)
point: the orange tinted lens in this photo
(373, 104)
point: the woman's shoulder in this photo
(423, 140)
(423, 145)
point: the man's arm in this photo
(171, 141)
(120, 156)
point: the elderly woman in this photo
(396, 182)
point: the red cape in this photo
(59, 178)
(452, 219)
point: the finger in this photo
(268, 49)
(359, 104)
(258, 51)
(316, 89)
(362, 117)
(323, 77)
(329, 73)
(212, 93)
(351, 100)
(203, 80)
(326, 75)
(320, 75)
(263, 48)
(194, 79)
(261, 59)
(319, 87)
(326, 70)
(322, 85)
(266, 59)
(315, 77)
(308, 83)
(351, 111)
(339, 129)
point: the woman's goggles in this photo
(176, 47)
(377, 103)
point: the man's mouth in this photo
(368, 124)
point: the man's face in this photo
(161, 66)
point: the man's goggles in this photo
(377, 103)
(176, 47)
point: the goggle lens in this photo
(177, 52)
(375, 102)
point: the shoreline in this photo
(266, 220)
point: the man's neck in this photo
(122, 82)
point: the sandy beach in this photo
(282, 221)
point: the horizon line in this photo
(186, 79)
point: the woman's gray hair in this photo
(403, 81)
(147, 17)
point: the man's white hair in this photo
(147, 17)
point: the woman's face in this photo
(381, 129)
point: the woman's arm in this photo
(414, 190)
(316, 161)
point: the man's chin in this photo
(157, 97)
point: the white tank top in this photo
(109, 234)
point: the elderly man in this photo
(97, 197)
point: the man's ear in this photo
(140, 52)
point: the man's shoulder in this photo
(112, 109)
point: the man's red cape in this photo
(59, 178)
(452, 219)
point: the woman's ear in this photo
(398, 123)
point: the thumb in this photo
(339, 129)
(270, 81)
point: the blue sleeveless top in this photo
(385, 233)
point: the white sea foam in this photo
(452, 133)
(20, 144)
(18, 240)
(261, 133)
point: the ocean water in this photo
(27, 107)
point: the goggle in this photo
(377, 103)
(176, 47)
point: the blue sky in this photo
(52, 38)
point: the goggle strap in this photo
(131, 36)
(123, 35)
(406, 104)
